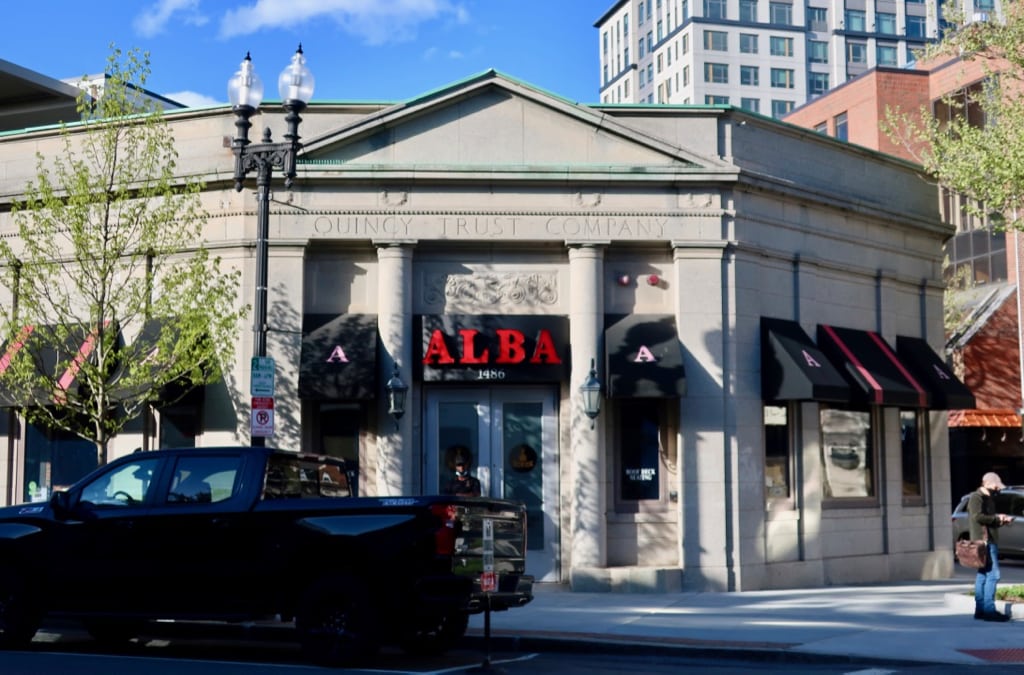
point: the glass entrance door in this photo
(509, 436)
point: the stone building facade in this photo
(756, 300)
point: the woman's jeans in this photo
(985, 583)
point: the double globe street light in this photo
(245, 92)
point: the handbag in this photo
(973, 553)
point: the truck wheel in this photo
(436, 634)
(19, 620)
(336, 622)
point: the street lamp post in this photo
(245, 92)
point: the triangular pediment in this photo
(494, 121)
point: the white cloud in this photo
(375, 22)
(154, 19)
(193, 99)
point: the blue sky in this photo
(358, 50)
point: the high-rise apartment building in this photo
(767, 56)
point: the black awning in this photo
(58, 353)
(873, 367)
(793, 368)
(156, 333)
(644, 357)
(339, 356)
(948, 392)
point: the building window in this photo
(777, 451)
(856, 52)
(751, 104)
(856, 20)
(912, 451)
(714, 9)
(780, 13)
(817, 83)
(885, 23)
(716, 100)
(686, 76)
(839, 124)
(625, 56)
(749, 75)
(848, 453)
(337, 431)
(642, 47)
(748, 43)
(604, 43)
(686, 9)
(748, 11)
(717, 73)
(650, 41)
(54, 459)
(886, 55)
(716, 40)
(782, 78)
(916, 27)
(640, 14)
(686, 43)
(643, 78)
(661, 32)
(781, 108)
(781, 46)
(625, 26)
(658, 61)
(817, 19)
(650, 73)
(821, 128)
(640, 450)
(817, 51)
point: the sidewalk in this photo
(930, 622)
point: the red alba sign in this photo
(510, 348)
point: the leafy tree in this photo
(975, 146)
(109, 245)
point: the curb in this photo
(965, 602)
(572, 643)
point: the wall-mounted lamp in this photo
(396, 389)
(653, 280)
(622, 280)
(591, 391)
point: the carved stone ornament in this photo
(489, 289)
(394, 197)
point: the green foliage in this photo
(110, 238)
(974, 145)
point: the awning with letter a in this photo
(339, 356)
(793, 368)
(644, 357)
(879, 376)
(947, 391)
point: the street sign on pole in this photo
(261, 378)
(262, 416)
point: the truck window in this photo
(305, 478)
(204, 480)
(124, 486)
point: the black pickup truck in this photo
(250, 533)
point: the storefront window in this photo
(339, 437)
(911, 449)
(53, 461)
(847, 453)
(776, 453)
(639, 450)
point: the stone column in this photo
(586, 335)
(395, 461)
